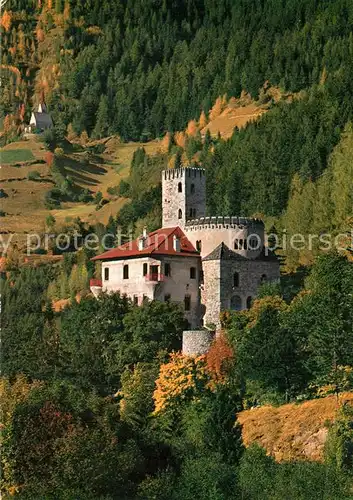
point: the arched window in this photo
(236, 280)
(180, 214)
(245, 244)
(263, 278)
(236, 245)
(235, 303)
(126, 272)
(248, 302)
(254, 243)
(192, 188)
(180, 187)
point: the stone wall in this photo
(191, 200)
(197, 342)
(213, 233)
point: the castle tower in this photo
(183, 195)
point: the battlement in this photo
(223, 223)
(178, 173)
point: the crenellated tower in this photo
(183, 195)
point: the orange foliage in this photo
(217, 108)
(218, 358)
(192, 128)
(67, 11)
(260, 305)
(165, 142)
(182, 379)
(50, 4)
(180, 139)
(6, 20)
(21, 112)
(203, 120)
(49, 158)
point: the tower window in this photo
(106, 273)
(145, 269)
(254, 243)
(187, 302)
(192, 188)
(235, 303)
(180, 214)
(126, 272)
(248, 302)
(236, 245)
(236, 280)
(198, 245)
(180, 187)
(166, 269)
(245, 244)
(193, 273)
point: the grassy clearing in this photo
(15, 156)
(292, 431)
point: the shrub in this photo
(59, 152)
(124, 189)
(34, 175)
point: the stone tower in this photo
(183, 195)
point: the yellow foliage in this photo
(180, 139)
(203, 120)
(217, 108)
(181, 379)
(6, 20)
(260, 305)
(192, 128)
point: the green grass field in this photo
(15, 156)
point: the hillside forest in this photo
(97, 401)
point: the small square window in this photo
(167, 269)
(106, 274)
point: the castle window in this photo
(240, 244)
(187, 302)
(145, 269)
(136, 300)
(236, 244)
(254, 243)
(180, 214)
(235, 303)
(193, 273)
(180, 187)
(198, 245)
(263, 278)
(248, 302)
(166, 269)
(167, 297)
(236, 280)
(126, 272)
(245, 244)
(192, 188)
(106, 274)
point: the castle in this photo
(207, 264)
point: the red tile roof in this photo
(157, 243)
